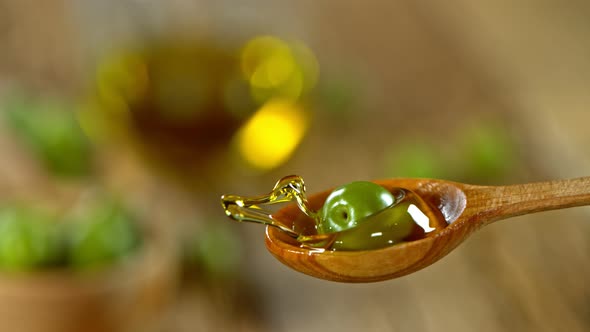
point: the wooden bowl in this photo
(129, 296)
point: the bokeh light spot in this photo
(308, 64)
(271, 135)
(261, 51)
(277, 69)
(105, 120)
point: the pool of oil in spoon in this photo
(408, 219)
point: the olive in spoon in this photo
(464, 208)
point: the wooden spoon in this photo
(465, 208)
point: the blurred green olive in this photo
(50, 129)
(214, 250)
(28, 240)
(105, 234)
(489, 152)
(416, 160)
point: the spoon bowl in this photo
(464, 207)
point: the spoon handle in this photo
(489, 204)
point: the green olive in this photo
(28, 240)
(390, 226)
(104, 235)
(348, 204)
(51, 131)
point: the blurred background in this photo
(122, 123)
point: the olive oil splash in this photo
(408, 218)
